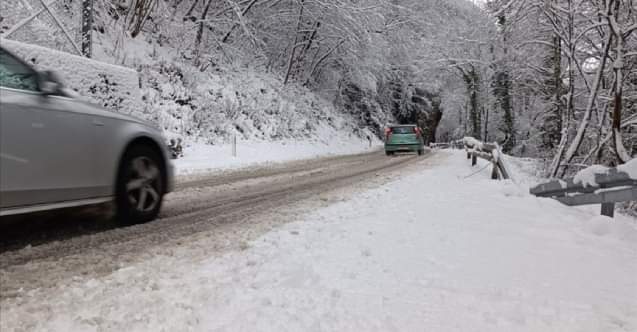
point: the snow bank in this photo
(113, 87)
(586, 177)
(204, 158)
(461, 255)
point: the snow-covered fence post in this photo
(608, 209)
(234, 145)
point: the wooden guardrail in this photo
(487, 151)
(606, 189)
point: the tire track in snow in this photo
(220, 207)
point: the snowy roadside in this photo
(202, 158)
(430, 250)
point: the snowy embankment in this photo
(435, 249)
(200, 158)
(210, 107)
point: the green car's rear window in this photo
(402, 130)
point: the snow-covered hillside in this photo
(206, 75)
(205, 103)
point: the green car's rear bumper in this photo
(403, 147)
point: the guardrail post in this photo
(608, 209)
(474, 159)
(494, 172)
(234, 145)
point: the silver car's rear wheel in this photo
(140, 187)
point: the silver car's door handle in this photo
(98, 123)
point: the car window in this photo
(403, 130)
(14, 74)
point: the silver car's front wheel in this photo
(143, 185)
(140, 186)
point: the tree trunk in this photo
(315, 68)
(235, 25)
(472, 82)
(579, 136)
(504, 95)
(552, 122)
(294, 46)
(201, 24)
(87, 27)
(618, 66)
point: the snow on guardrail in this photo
(586, 177)
(594, 185)
(629, 168)
(113, 87)
(487, 151)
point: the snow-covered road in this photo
(225, 208)
(418, 247)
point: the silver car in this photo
(57, 151)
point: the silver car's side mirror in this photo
(49, 83)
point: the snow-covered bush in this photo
(215, 106)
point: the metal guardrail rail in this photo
(609, 188)
(487, 151)
(447, 145)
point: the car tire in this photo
(140, 185)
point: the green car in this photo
(404, 138)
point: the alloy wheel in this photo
(142, 187)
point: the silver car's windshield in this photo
(15, 74)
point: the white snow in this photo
(472, 143)
(431, 250)
(629, 168)
(199, 158)
(586, 177)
